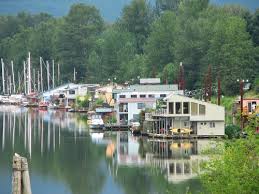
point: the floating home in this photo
(186, 117)
(131, 100)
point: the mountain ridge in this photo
(110, 11)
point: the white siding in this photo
(205, 129)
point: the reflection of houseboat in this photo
(183, 115)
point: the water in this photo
(65, 158)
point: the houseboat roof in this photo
(148, 88)
(185, 98)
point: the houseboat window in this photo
(151, 96)
(141, 105)
(72, 91)
(122, 96)
(201, 123)
(212, 125)
(202, 109)
(171, 108)
(162, 95)
(142, 96)
(186, 108)
(133, 96)
(178, 108)
(194, 108)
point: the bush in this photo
(232, 131)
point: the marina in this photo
(60, 147)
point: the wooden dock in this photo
(116, 127)
(192, 136)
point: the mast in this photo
(53, 74)
(3, 75)
(29, 73)
(48, 73)
(24, 75)
(74, 75)
(58, 75)
(19, 81)
(38, 81)
(34, 80)
(13, 78)
(41, 81)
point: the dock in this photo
(116, 127)
(192, 136)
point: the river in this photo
(66, 158)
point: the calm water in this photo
(65, 158)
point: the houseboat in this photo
(186, 117)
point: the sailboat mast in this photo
(19, 82)
(25, 77)
(58, 75)
(3, 75)
(41, 80)
(38, 81)
(34, 80)
(53, 74)
(13, 78)
(29, 73)
(48, 73)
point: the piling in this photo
(21, 178)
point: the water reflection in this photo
(67, 158)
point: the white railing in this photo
(160, 112)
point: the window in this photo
(151, 96)
(122, 96)
(162, 95)
(194, 108)
(171, 108)
(186, 108)
(72, 91)
(142, 95)
(212, 125)
(202, 109)
(136, 117)
(133, 96)
(141, 105)
(178, 108)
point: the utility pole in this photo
(241, 85)
(3, 79)
(48, 73)
(219, 91)
(41, 80)
(53, 74)
(181, 78)
(13, 78)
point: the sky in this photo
(110, 9)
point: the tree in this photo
(160, 44)
(136, 18)
(77, 38)
(235, 170)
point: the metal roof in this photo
(147, 88)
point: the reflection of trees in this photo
(77, 162)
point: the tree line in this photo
(145, 41)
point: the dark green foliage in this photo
(232, 131)
(146, 41)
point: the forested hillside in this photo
(145, 41)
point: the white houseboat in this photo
(187, 116)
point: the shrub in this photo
(232, 131)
